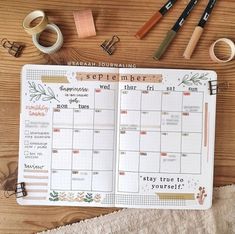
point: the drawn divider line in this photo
(36, 184)
(206, 125)
(96, 127)
(207, 137)
(79, 125)
(34, 198)
(37, 190)
(35, 177)
(35, 171)
(142, 126)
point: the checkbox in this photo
(26, 132)
(26, 122)
(26, 142)
(26, 153)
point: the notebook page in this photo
(165, 145)
(67, 135)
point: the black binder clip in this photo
(109, 45)
(14, 48)
(19, 191)
(216, 87)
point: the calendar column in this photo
(103, 138)
(150, 131)
(129, 145)
(192, 125)
(62, 132)
(171, 132)
(82, 149)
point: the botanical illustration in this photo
(75, 197)
(194, 79)
(201, 195)
(38, 92)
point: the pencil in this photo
(198, 30)
(154, 19)
(172, 33)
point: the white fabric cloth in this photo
(220, 219)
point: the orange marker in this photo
(154, 19)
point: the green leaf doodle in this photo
(194, 79)
(75, 197)
(39, 92)
(88, 198)
(54, 196)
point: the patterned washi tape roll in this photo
(52, 49)
(33, 16)
(84, 23)
(226, 41)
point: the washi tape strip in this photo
(54, 79)
(176, 196)
(33, 16)
(84, 23)
(226, 41)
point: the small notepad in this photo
(109, 137)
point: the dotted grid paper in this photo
(34, 74)
(156, 137)
(139, 200)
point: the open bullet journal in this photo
(109, 137)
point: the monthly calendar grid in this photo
(162, 131)
(73, 172)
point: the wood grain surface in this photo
(122, 18)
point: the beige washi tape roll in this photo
(51, 49)
(226, 41)
(30, 18)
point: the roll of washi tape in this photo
(84, 23)
(52, 49)
(33, 16)
(226, 41)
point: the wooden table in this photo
(123, 18)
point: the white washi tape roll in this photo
(52, 49)
(226, 41)
(30, 18)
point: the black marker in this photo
(199, 30)
(206, 13)
(172, 33)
